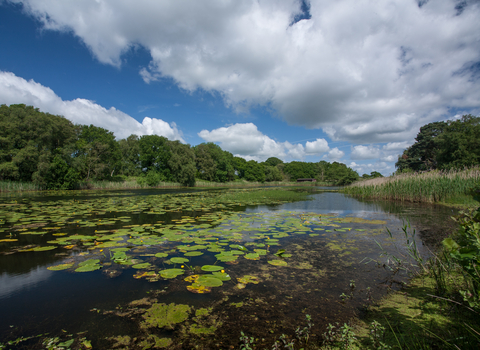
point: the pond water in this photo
(177, 269)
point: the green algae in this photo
(161, 315)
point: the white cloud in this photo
(364, 152)
(335, 154)
(15, 90)
(319, 146)
(246, 141)
(366, 71)
(396, 146)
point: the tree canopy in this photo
(444, 145)
(56, 154)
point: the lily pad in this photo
(142, 265)
(171, 273)
(211, 268)
(178, 260)
(60, 267)
(193, 254)
(209, 281)
(42, 249)
(252, 256)
(161, 255)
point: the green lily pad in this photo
(252, 256)
(142, 265)
(178, 260)
(42, 249)
(208, 281)
(161, 255)
(211, 268)
(60, 267)
(222, 276)
(193, 254)
(278, 262)
(88, 268)
(171, 273)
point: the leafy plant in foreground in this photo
(465, 251)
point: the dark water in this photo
(327, 276)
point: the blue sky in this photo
(349, 81)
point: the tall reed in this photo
(433, 186)
(14, 186)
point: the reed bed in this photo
(14, 186)
(433, 186)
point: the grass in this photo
(131, 183)
(450, 187)
(15, 186)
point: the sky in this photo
(337, 80)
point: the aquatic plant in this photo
(162, 315)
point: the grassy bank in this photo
(450, 187)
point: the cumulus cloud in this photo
(318, 146)
(365, 71)
(15, 90)
(335, 154)
(246, 141)
(364, 152)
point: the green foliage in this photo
(130, 150)
(55, 154)
(464, 249)
(182, 163)
(155, 154)
(273, 161)
(214, 164)
(444, 145)
(97, 153)
(27, 137)
(254, 171)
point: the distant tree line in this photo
(443, 145)
(54, 153)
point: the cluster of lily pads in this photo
(90, 234)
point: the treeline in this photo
(444, 146)
(53, 153)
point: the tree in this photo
(155, 153)
(254, 171)
(97, 153)
(273, 161)
(27, 137)
(214, 164)
(272, 173)
(443, 145)
(130, 161)
(182, 163)
(422, 154)
(459, 145)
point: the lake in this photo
(177, 269)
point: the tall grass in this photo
(433, 186)
(122, 185)
(14, 186)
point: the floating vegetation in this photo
(278, 262)
(171, 273)
(162, 315)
